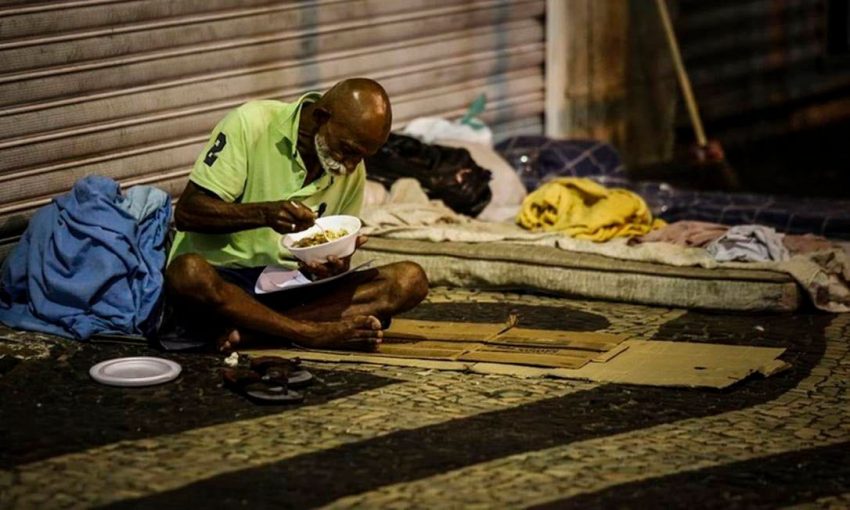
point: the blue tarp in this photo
(90, 262)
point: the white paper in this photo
(278, 278)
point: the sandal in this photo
(282, 370)
(261, 390)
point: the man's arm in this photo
(200, 210)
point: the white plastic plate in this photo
(135, 371)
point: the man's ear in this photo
(321, 115)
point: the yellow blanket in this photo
(584, 209)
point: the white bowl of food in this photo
(337, 237)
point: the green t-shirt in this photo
(252, 157)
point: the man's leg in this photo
(194, 286)
(381, 292)
(338, 316)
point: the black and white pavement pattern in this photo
(387, 437)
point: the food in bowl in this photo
(342, 246)
(320, 238)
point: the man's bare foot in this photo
(229, 340)
(358, 333)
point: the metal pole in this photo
(684, 81)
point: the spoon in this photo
(319, 211)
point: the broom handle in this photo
(684, 81)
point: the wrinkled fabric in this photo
(408, 204)
(86, 265)
(374, 193)
(584, 209)
(806, 243)
(142, 201)
(824, 275)
(749, 243)
(685, 233)
(407, 191)
(545, 158)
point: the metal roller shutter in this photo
(131, 89)
(761, 68)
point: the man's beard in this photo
(323, 152)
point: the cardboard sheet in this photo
(660, 363)
(494, 343)
(653, 363)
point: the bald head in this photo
(351, 120)
(362, 105)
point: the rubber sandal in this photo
(277, 369)
(251, 385)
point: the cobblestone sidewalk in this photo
(384, 437)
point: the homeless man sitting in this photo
(267, 166)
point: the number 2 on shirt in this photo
(212, 155)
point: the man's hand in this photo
(333, 266)
(201, 210)
(286, 217)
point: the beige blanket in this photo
(825, 275)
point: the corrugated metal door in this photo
(762, 68)
(131, 89)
